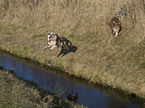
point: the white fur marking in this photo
(116, 34)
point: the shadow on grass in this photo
(63, 52)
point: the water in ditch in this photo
(80, 91)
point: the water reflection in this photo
(74, 91)
(73, 98)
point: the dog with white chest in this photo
(52, 37)
(55, 41)
(115, 25)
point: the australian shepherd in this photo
(56, 41)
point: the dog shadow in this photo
(63, 51)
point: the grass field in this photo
(100, 58)
(16, 92)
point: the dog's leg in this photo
(113, 33)
(52, 47)
(46, 47)
(116, 34)
(66, 46)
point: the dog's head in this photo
(52, 37)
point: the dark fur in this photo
(115, 24)
(56, 41)
(66, 46)
(63, 43)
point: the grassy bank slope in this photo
(119, 62)
(15, 92)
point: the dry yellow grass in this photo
(100, 58)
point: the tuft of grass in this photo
(118, 62)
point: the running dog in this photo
(115, 25)
(55, 41)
